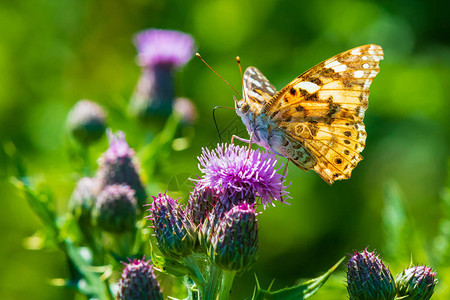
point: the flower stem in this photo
(196, 276)
(227, 283)
(215, 278)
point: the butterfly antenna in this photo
(200, 57)
(238, 60)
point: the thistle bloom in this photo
(241, 174)
(416, 283)
(160, 52)
(119, 166)
(234, 241)
(87, 122)
(173, 230)
(368, 278)
(164, 47)
(116, 209)
(138, 282)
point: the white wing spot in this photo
(336, 66)
(365, 66)
(364, 57)
(253, 94)
(358, 74)
(376, 58)
(251, 71)
(356, 51)
(308, 86)
(255, 82)
(373, 73)
(367, 84)
(271, 89)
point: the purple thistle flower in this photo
(234, 240)
(82, 202)
(87, 122)
(159, 53)
(118, 166)
(173, 230)
(242, 175)
(368, 278)
(166, 47)
(416, 283)
(138, 282)
(116, 209)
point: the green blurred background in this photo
(53, 53)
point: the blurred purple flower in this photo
(167, 47)
(139, 282)
(159, 53)
(242, 175)
(119, 166)
(116, 209)
(87, 122)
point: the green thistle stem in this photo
(215, 277)
(227, 283)
(196, 276)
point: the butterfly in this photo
(316, 121)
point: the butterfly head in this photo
(242, 106)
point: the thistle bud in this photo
(173, 230)
(201, 202)
(82, 201)
(138, 282)
(119, 166)
(116, 210)
(416, 283)
(368, 278)
(87, 122)
(234, 242)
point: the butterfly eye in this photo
(244, 108)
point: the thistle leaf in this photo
(303, 290)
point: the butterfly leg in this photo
(240, 139)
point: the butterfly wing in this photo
(321, 112)
(256, 87)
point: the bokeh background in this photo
(53, 53)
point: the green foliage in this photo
(303, 290)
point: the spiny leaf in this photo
(303, 290)
(168, 266)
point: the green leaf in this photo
(303, 290)
(168, 265)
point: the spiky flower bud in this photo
(118, 165)
(83, 198)
(87, 122)
(159, 53)
(138, 282)
(234, 242)
(173, 230)
(201, 202)
(116, 209)
(416, 283)
(368, 278)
